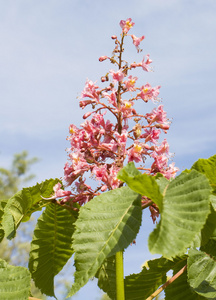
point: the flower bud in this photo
(102, 58)
(133, 65)
(114, 37)
(103, 79)
(86, 115)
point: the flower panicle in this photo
(100, 147)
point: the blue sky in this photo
(49, 48)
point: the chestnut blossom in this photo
(151, 135)
(157, 115)
(147, 92)
(117, 75)
(90, 91)
(130, 83)
(111, 97)
(144, 64)
(60, 192)
(113, 132)
(135, 153)
(137, 41)
(126, 25)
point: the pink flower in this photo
(79, 163)
(151, 135)
(126, 25)
(81, 186)
(148, 93)
(135, 153)
(127, 109)
(69, 177)
(90, 91)
(171, 171)
(100, 172)
(111, 97)
(59, 192)
(130, 83)
(137, 41)
(112, 179)
(144, 64)
(117, 75)
(163, 148)
(157, 115)
(159, 164)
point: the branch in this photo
(167, 283)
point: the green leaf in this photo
(180, 289)
(107, 224)
(27, 201)
(107, 277)
(3, 217)
(210, 227)
(2, 233)
(142, 285)
(210, 248)
(143, 184)
(162, 182)
(208, 167)
(185, 209)
(51, 246)
(14, 282)
(207, 232)
(128, 170)
(202, 273)
(8, 223)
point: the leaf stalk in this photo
(120, 294)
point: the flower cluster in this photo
(100, 147)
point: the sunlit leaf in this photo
(208, 167)
(26, 201)
(202, 273)
(51, 246)
(185, 210)
(107, 224)
(14, 282)
(143, 184)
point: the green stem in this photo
(119, 276)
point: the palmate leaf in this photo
(142, 285)
(141, 183)
(180, 288)
(51, 246)
(14, 282)
(185, 209)
(25, 202)
(107, 277)
(202, 273)
(107, 224)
